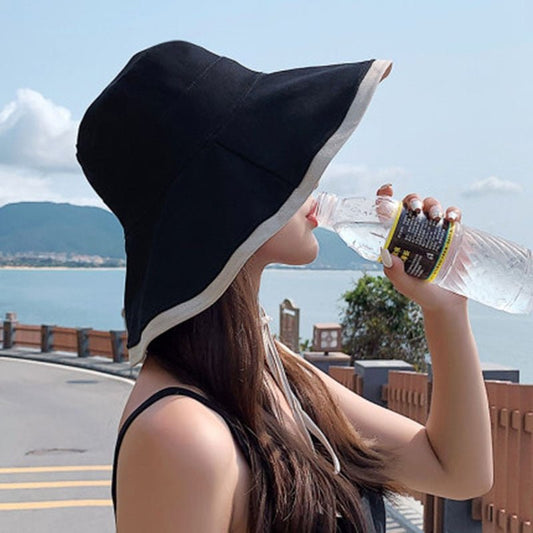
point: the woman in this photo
(210, 166)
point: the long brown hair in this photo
(221, 352)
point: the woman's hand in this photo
(429, 296)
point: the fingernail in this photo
(453, 216)
(386, 258)
(435, 213)
(386, 186)
(416, 205)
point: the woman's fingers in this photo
(431, 208)
(384, 207)
(453, 214)
(385, 190)
(413, 202)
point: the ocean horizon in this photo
(93, 297)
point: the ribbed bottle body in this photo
(490, 270)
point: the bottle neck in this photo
(326, 205)
(332, 210)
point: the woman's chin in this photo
(313, 253)
(305, 257)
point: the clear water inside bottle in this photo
(366, 238)
(363, 223)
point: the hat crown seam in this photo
(209, 139)
(276, 175)
(202, 74)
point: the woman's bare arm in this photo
(452, 455)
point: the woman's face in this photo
(295, 243)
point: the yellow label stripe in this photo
(36, 469)
(393, 229)
(55, 504)
(445, 249)
(55, 484)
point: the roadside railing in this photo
(347, 377)
(84, 342)
(408, 393)
(508, 506)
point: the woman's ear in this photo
(386, 73)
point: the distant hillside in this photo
(51, 227)
(46, 227)
(335, 254)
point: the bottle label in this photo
(422, 244)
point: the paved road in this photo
(57, 434)
(58, 428)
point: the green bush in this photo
(381, 323)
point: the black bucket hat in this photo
(203, 160)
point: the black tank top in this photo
(372, 502)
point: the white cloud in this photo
(492, 185)
(358, 180)
(37, 154)
(36, 133)
(27, 185)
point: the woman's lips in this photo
(311, 216)
(313, 220)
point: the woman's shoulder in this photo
(176, 450)
(183, 430)
(174, 421)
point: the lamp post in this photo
(327, 346)
(327, 338)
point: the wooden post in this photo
(47, 338)
(10, 324)
(289, 325)
(83, 341)
(119, 349)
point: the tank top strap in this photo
(236, 429)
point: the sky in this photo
(454, 119)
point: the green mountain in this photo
(46, 227)
(52, 227)
(335, 254)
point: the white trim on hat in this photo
(175, 315)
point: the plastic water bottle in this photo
(482, 267)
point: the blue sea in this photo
(94, 298)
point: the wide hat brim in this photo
(255, 169)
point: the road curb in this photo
(94, 363)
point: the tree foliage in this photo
(381, 323)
